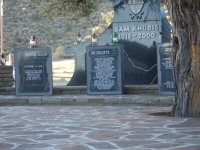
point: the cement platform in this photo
(82, 99)
(76, 95)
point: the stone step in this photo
(129, 89)
(68, 90)
(82, 99)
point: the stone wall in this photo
(6, 79)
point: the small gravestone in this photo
(165, 70)
(33, 71)
(104, 69)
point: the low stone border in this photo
(88, 100)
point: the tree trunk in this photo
(186, 20)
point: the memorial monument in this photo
(33, 68)
(104, 69)
(139, 25)
(165, 69)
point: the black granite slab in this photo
(165, 69)
(33, 68)
(104, 69)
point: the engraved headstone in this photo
(104, 69)
(165, 70)
(33, 68)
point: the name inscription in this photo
(137, 31)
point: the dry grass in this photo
(63, 71)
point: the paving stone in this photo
(102, 145)
(73, 147)
(127, 127)
(172, 136)
(51, 136)
(191, 122)
(102, 135)
(19, 140)
(195, 147)
(160, 145)
(27, 132)
(188, 140)
(192, 132)
(139, 136)
(5, 146)
(28, 146)
(132, 143)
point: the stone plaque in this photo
(104, 69)
(141, 32)
(165, 70)
(33, 68)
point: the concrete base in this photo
(88, 100)
(68, 90)
(76, 95)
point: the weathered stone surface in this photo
(35, 101)
(101, 135)
(6, 145)
(31, 146)
(68, 100)
(95, 128)
(54, 136)
(102, 145)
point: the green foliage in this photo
(36, 17)
(69, 8)
(33, 3)
(108, 19)
(15, 2)
(7, 49)
(59, 50)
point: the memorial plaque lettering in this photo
(33, 71)
(138, 31)
(165, 70)
(104, 69)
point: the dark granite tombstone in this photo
(139, 26)
(165, 70)
(104, 69)
(33, 68)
